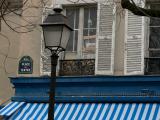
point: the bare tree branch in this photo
(126, 4)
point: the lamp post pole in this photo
(54, 59)
(56, 32)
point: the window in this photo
(89, 31)
(81, 45)
(152, 62)
(154, 36)
(84, 30)
(73, 17)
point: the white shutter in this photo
(134, 44)
(105, 40)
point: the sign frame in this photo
(25, 65)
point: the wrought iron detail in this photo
(77, 67)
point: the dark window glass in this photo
(76, 40)
(154, 53)
(77, 18)
(154, 22)
(70, 43)
(152, 66)
(90, 17)
(92, 32)
(85, 32)
(70, 14)
(86, 17)
(154, 37)
(93, 17)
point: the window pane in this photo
(152, 66)
(76, 40)
(73, 17)
(86, 17)
(90, 17)
(155, 53)
(77, 18)
(70, 43)
(85, 32)
(93, 17)
(92, 32)
(154, 37)
(155, 22)
(70, 15)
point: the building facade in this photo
(20, 35)
(112, 38)
(107, 40)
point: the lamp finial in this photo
(58, 8)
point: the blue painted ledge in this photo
(89, 89)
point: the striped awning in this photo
(83, 111)
(11, 108)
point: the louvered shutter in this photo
(134, 44)
(105, 40)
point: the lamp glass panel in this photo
(65, 37)
(52, 35)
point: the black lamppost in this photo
(56, 32)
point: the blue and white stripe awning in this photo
(83, 111)
(10, 108)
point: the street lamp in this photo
(56, 32)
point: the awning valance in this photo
(83, 111)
